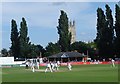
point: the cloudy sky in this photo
(42, 19)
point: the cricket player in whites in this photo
(69, 66)
(48, 67)
(37, 62)
(52, 66)
(33, 67)
(113, 62)
(56, 66)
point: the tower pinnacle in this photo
(72, 30)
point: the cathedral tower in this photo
(73, 31)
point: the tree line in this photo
(108, 32)
(106, 44)
(21, 47)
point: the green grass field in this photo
(81, 73)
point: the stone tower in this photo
(73, 31)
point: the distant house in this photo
(67, 56)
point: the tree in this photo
(10, 53)
(41, 51)
(92, 50)
(86, 48)
(105, 33)
(109, 32)
(101, 33)
(64, 34)
(117, 30)
(14, 39)
(24, 40)
(4, 52)
(52, 49)
(33, 51)
(79, 46)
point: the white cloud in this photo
(44, 15)
(83, 33)
(36, 14)
(41, 14)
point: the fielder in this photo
(58, 63)
(69, 66)
(56, 66)
(52, 66)
(33, 67)
(48, 67)
(113, 62)
(38, 64)
(27, 64)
